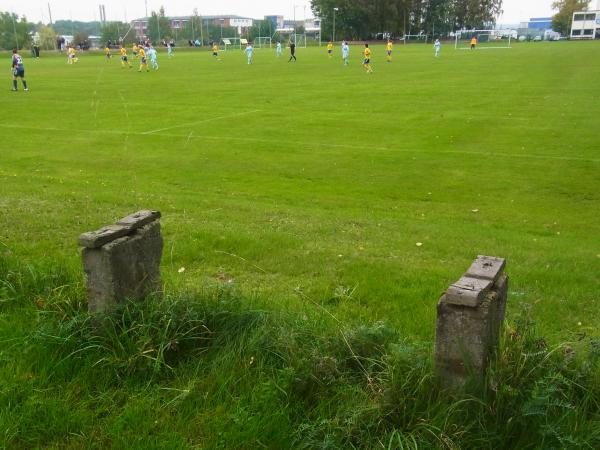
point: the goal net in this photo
(299, 40)
(415, 39)
(263, 42)
(232, 42)
(486, 39)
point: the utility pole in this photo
(50, 14)
(146, 4)
(334, 11)
(15, 29)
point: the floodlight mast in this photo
(334, 11)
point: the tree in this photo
(562, 20)
(113, 32)
(14, 32)
(361, 19)
(81, 38)
(47, 37)
(159, 26)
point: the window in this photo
(590, 17)
(578, 17)
(588, 32)
(576, 33)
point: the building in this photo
(276, 21)
(586, 25)
(537, 28)
(178, 23)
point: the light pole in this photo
(222, 20)
(334, 10)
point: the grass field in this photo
(296, 185)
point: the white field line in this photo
(311, 144)
(211, 119)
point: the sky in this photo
(515, 11)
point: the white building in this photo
(586, 24)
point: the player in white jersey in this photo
(151, 52)
(278, 49)
(437, 46)
(345, 52)
(249, 51)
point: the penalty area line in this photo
(211, 119)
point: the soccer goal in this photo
(415, 39)
(486, 39)
(263, 42)
(298, 39)
(232, 42)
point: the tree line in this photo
(362, 19)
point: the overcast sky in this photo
(35, 10)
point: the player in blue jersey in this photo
(437, 46)
(249, 51)
(152, 55)
(345, 52)
(18, 70)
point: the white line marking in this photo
(229, 116)
(315, 144)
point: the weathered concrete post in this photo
(470, 314)
(122, 261)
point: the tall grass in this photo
(215, 369)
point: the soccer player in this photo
(292, 52)
(215, 50)
(330, 49)
(107, 53)
(124, 59)
(389, 48)
(437, 46)
(249, 50)
(134, 50)
(170, 53)
(152, 55)
(143, 60)
(473, 42)
(18, 70)
(367, 61)
(72, 56)
(278, 49)
(345, 52)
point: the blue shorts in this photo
(367, 61)
(19, 73)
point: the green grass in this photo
(286, 189)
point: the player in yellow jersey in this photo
(367, 61)
(124, 59)
(215, 50)
(143, 60)
(107, 53)
(330, 49)
(72, 56)
(389, 48)
(473, 42)
(134, 50)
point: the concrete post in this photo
(122, 261)
(470, 314)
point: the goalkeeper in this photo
(18, 70)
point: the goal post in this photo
(486, 39)
(299, 40)
(415, 39)
(263, 42)
(233, 42)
